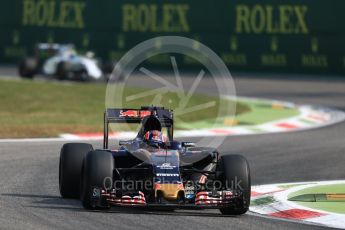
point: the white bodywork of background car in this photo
(90, 64)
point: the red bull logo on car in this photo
(135, 113)
(128, 113)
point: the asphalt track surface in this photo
(29, 196)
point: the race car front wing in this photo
(203, 200)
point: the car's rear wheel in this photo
(236, 175)
(84, 76)
(71, 159)
(108, 67)
(97, 170)
(63, 70)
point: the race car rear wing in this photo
(113, 115)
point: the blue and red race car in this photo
(153, 169)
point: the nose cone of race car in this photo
(170, 192)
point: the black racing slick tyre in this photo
(97, 170)
(28, 67)
(71, 160)
(108, 67)
(236, 175)
(63, 70)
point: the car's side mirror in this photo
(188, 144)
(124, 142)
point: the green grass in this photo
(260, 112)
(337, 207)
(262, 201)
(40, 109)
(290, 186)
(47, 109)
(183, 118)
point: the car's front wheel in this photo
(97, 170)
(236, 176)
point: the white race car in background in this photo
(63, 62)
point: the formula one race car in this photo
(61, 61)
(153, 170)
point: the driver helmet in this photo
(155, 136)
